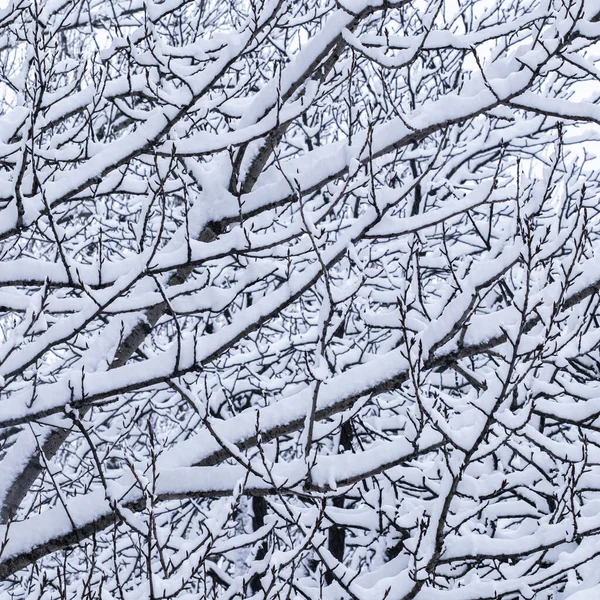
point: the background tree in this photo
(299, 299)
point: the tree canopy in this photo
(299, 299)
